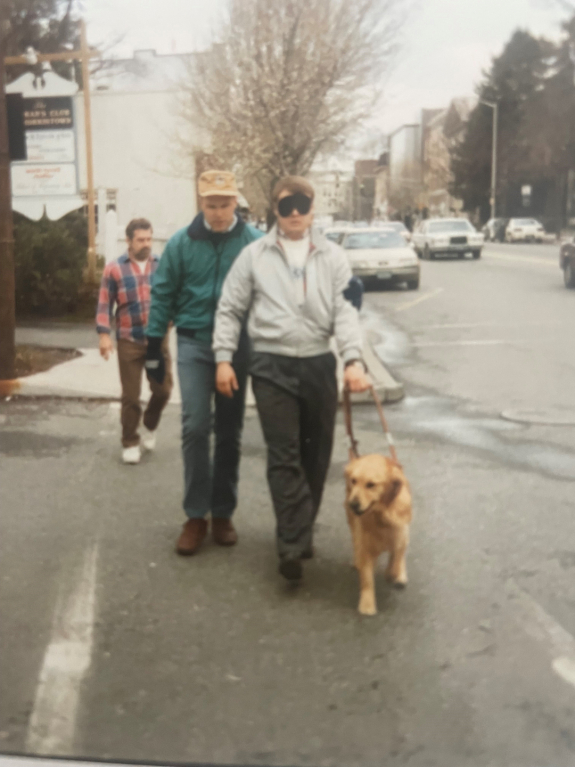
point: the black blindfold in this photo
(297, 201)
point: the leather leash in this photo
(353, 443)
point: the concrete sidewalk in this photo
(92, 377)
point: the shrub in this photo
(50, 257)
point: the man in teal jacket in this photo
(186, 290)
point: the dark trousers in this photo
(210, 485)
(131, 359)
(297, 405)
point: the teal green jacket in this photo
(188, 281)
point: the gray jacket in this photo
(260, 282)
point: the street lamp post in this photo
(495, 106)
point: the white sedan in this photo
(519, 229)
(381, 256)
(336, 232)
(447, 236)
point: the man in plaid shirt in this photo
(126, 285)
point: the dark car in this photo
(494, 229)
(567, 262)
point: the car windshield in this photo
(524, 222)
(333, 236)
(373, 240)
(450, 226)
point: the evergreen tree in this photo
(516, 76)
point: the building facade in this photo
(333, 186)
(405, 167)
(442, 132)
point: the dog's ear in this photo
(347, 471)
(392, 487)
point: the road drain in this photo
(541, 417)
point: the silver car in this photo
(381, 256)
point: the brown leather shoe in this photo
(193, 533)
(223, 532)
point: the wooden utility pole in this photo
(85, 51)
(7, 283)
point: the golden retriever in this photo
(378, 506)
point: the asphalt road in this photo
(114, 647)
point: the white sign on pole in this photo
(50, 146)
(48, 179)
(45, 180)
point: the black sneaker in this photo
(291, 568)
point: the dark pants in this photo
(297, 405)
(131, 359)
(210, 485)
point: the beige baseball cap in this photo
(217, 182)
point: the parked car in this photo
(381, 256)
(494, 229)
(567, 262)
(524, 229)
(398, 226)
(447, 236)
(335, 233)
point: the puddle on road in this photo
(453, 421)
(444, 419)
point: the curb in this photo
(386, 386)
(388, 389)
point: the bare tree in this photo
(288, 79)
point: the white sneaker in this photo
(131, 454)
(149, 439)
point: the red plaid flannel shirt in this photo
(124, 286)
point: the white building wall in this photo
(136, 155)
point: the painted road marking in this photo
(527, 259)
(482, 342)
(419, 300)
(541, 626)
(68, 657)
(463, 325)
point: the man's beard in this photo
(143, 254)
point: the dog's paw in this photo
(367, 606)
(397, 581)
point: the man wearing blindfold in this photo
(292, 283)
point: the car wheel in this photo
(569, 275)
(413, 284)
(476, 254)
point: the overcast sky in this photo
(445, 45)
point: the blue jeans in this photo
(210, 486)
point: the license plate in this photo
(384, 275)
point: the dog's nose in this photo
(355, 507)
